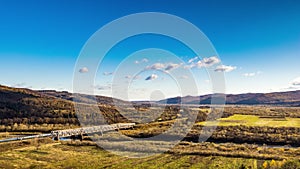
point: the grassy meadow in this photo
(253, 120)
(50, 154)
(242, 140)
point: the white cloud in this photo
(23, 84)
(107, 73)
(285, 88)
(193, 59)
(136, 77)
(224, 68)
(152, 77)
(296, 82)
(172, 66)
(144, 60)
(252, 74)
(84, 70)
(211, 61)
(184, 77)
(102, 87)
(155, 66)
(133, 77)
(189, 66)
(249, 74)
(161, 66)
(293, 85)
(206, 62)
(293, 88)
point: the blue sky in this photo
(41, 40)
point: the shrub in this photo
(292, 164)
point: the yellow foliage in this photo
(280, 163)
(273, 164)
(265, 164)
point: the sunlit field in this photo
(50, 154)
(252, 120)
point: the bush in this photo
(293, 164)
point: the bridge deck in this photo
(74, 132)
(92, 129)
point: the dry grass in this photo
(185, 155)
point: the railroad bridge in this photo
(88, 130)
(57, 134)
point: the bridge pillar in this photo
(73, 138)
(81, 137)
(56, 138)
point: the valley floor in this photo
(66, 154)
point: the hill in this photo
(291, 98)
(50, 108)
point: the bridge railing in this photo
(93, 129)
(74, 132)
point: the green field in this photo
(252, 120)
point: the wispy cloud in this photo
(249, 74)
(184, 77)
(84, 70)
(136, 77)
(152, 77)
(128, 77)
(172, 66)
(162, 66)
(102, 87)
(296, 82)
(224, 68)
(205, 62)
(156, 66)
(252, 74)
(208, 62)
(108, 73)
(144, 60)
(193, 59)
(23, 84)
(293, 85)
(132, 77)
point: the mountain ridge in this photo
(276, 98)
(291, 98)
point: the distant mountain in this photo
(43, 107)
(278, 98)
(18, 95)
